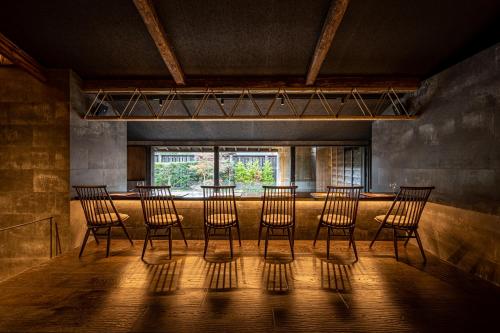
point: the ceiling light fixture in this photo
(282, 101)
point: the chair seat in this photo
(221, 219)
(391, 219)
(336, 219)
(277, 219)
(110, 218)
(165, 219)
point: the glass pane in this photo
(305, 169)
(249, 168)
(318, 167)
(186, 169)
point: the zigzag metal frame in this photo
(389, 100)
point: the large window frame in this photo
(365, 169)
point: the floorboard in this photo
(247, 293)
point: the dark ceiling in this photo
(108, 39)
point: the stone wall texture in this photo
(34, 166)
(455, 146)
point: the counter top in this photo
(365, 196)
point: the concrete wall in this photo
(248, 131)
(34, 167)
(454, 146)
(98, 150)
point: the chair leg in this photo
(266, 243)
(290, 240)
(170, 243)
(395, 236)
(408, 239)
(238, 229)
(260, 233)
(126, 233)
(145, 244)
(207, 238)
(351, 240)
(328, 245)
(376, 235)
(109, 242)
(317, 234)
(84, 242)
(231, 242)
(95, 236)
(182, 233)
(420, 245)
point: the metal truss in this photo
(276, 104)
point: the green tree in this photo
(254, 172)
(204, 168)
(240, 173)
(267, 173)
(179, 175)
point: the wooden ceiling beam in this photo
(4, 61)
(157, 32)
(332, 84)
(330, 26)
(20, 58)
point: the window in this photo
(318, 167)
(249, 168)
(186, 169)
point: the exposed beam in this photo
(332, 84)
(4, 61)
(242, 118)
(330, 26)
(20, 58)
(157, 32)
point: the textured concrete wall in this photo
(454, 146)
(249, 130)
(34, 166)
(98, 149)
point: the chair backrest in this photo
(219, 203)
(97, 204)
(278, 205)
(408, 206)
(157, 205)
(341, 205)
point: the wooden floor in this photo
(247, 294)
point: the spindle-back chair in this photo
(100, 213)
(278, 212)
(404, 216)
(160, 214)
(220, 213)
(339, 213)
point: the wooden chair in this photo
(220, 213)
(160, 214)
(404, 215)
(339, 213)
(278, 212)
(100, 213)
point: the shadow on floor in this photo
(336, 276)
(164, 278)
(278, 275)
(222, 273)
